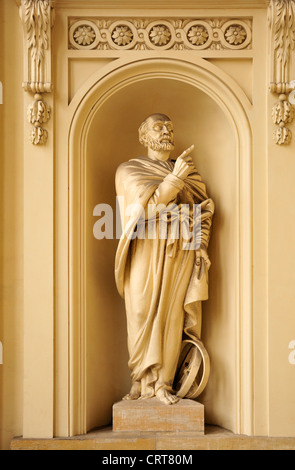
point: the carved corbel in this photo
(37, 17)
(282, 25)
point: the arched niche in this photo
(211, 113)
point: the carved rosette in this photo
(84, 35)
(198, 35)
(282, 25)
(160, 35)
(157, 34)
(122, 35)
(37, 17)
(235, 34)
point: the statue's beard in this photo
(158, 146)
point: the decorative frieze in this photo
(282, 26)
(37, 17)
(160, 34)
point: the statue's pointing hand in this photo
(184, 164)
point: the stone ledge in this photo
(215, 438)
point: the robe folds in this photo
(161, 282)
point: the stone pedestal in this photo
(152, 415)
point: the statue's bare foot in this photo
(166, 397)
(134, 393)
(146, 396)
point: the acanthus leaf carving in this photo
(283, 112)
(39, 136)
(282, 24)
(37, 17)
(282, 135)
(36, 22)
(281, 17)
(38, 111)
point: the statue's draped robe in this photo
(159, 280)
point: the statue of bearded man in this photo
(162, 281)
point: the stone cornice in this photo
(169, 4)
(154, 4)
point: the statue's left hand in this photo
(202, 254)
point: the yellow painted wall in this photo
(273, 242)
(11, 228)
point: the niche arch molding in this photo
(236, 107)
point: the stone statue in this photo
(163, 281)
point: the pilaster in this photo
(37, 19)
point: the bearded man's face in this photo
(159, 136)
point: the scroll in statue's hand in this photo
(184, 164)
